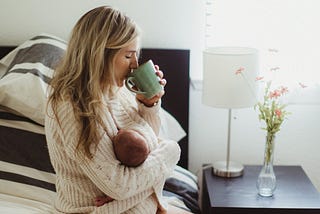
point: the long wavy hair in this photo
(86, 71)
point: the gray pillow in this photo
(29, 69)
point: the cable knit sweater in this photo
(80, 180)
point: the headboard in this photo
(175, 65)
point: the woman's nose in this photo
(134, 63)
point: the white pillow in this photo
(29, 70)
(3, 69)
(170, 127)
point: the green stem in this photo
(269, 147)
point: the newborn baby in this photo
(131, 150)
(130, 147)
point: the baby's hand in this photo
(101, 200)
(161, 211)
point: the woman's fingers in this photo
(163, 82)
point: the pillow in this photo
(182, 190)
(29, 69)
(3, 69)
(170, 127)
(40, 39)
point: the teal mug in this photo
(143, 80)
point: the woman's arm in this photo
(120, 182)
(116, 180)
(151, 115)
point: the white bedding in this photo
(17, 205)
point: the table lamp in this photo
(229, 75)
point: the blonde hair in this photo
(87, 68)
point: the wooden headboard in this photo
(175, 65)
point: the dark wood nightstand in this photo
(294, 194)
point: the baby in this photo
(130, 147)
(131, 150)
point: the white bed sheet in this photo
(17, 205)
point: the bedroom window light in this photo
(285, 32)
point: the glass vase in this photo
(266, 183)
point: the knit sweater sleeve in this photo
(121, 182)
(151, 115)
(106, 172)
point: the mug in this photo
(145, 80)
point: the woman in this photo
(88, 105)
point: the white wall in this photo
(164, 23)
(180, 24)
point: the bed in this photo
(26, 175)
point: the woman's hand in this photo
(153, 100)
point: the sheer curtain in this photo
(286, 33)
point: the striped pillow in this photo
(181, 189)
(29, 68)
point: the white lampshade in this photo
(222, 87)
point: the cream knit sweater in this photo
(79, 180)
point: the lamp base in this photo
(234, 169)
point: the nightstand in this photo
(294, 194)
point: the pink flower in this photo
(284, 90)
(278, 112)
(275, 94)
(278, 92)
(239, 71)
(259, 78)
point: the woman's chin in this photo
(120, 84)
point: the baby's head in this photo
(130, 147)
